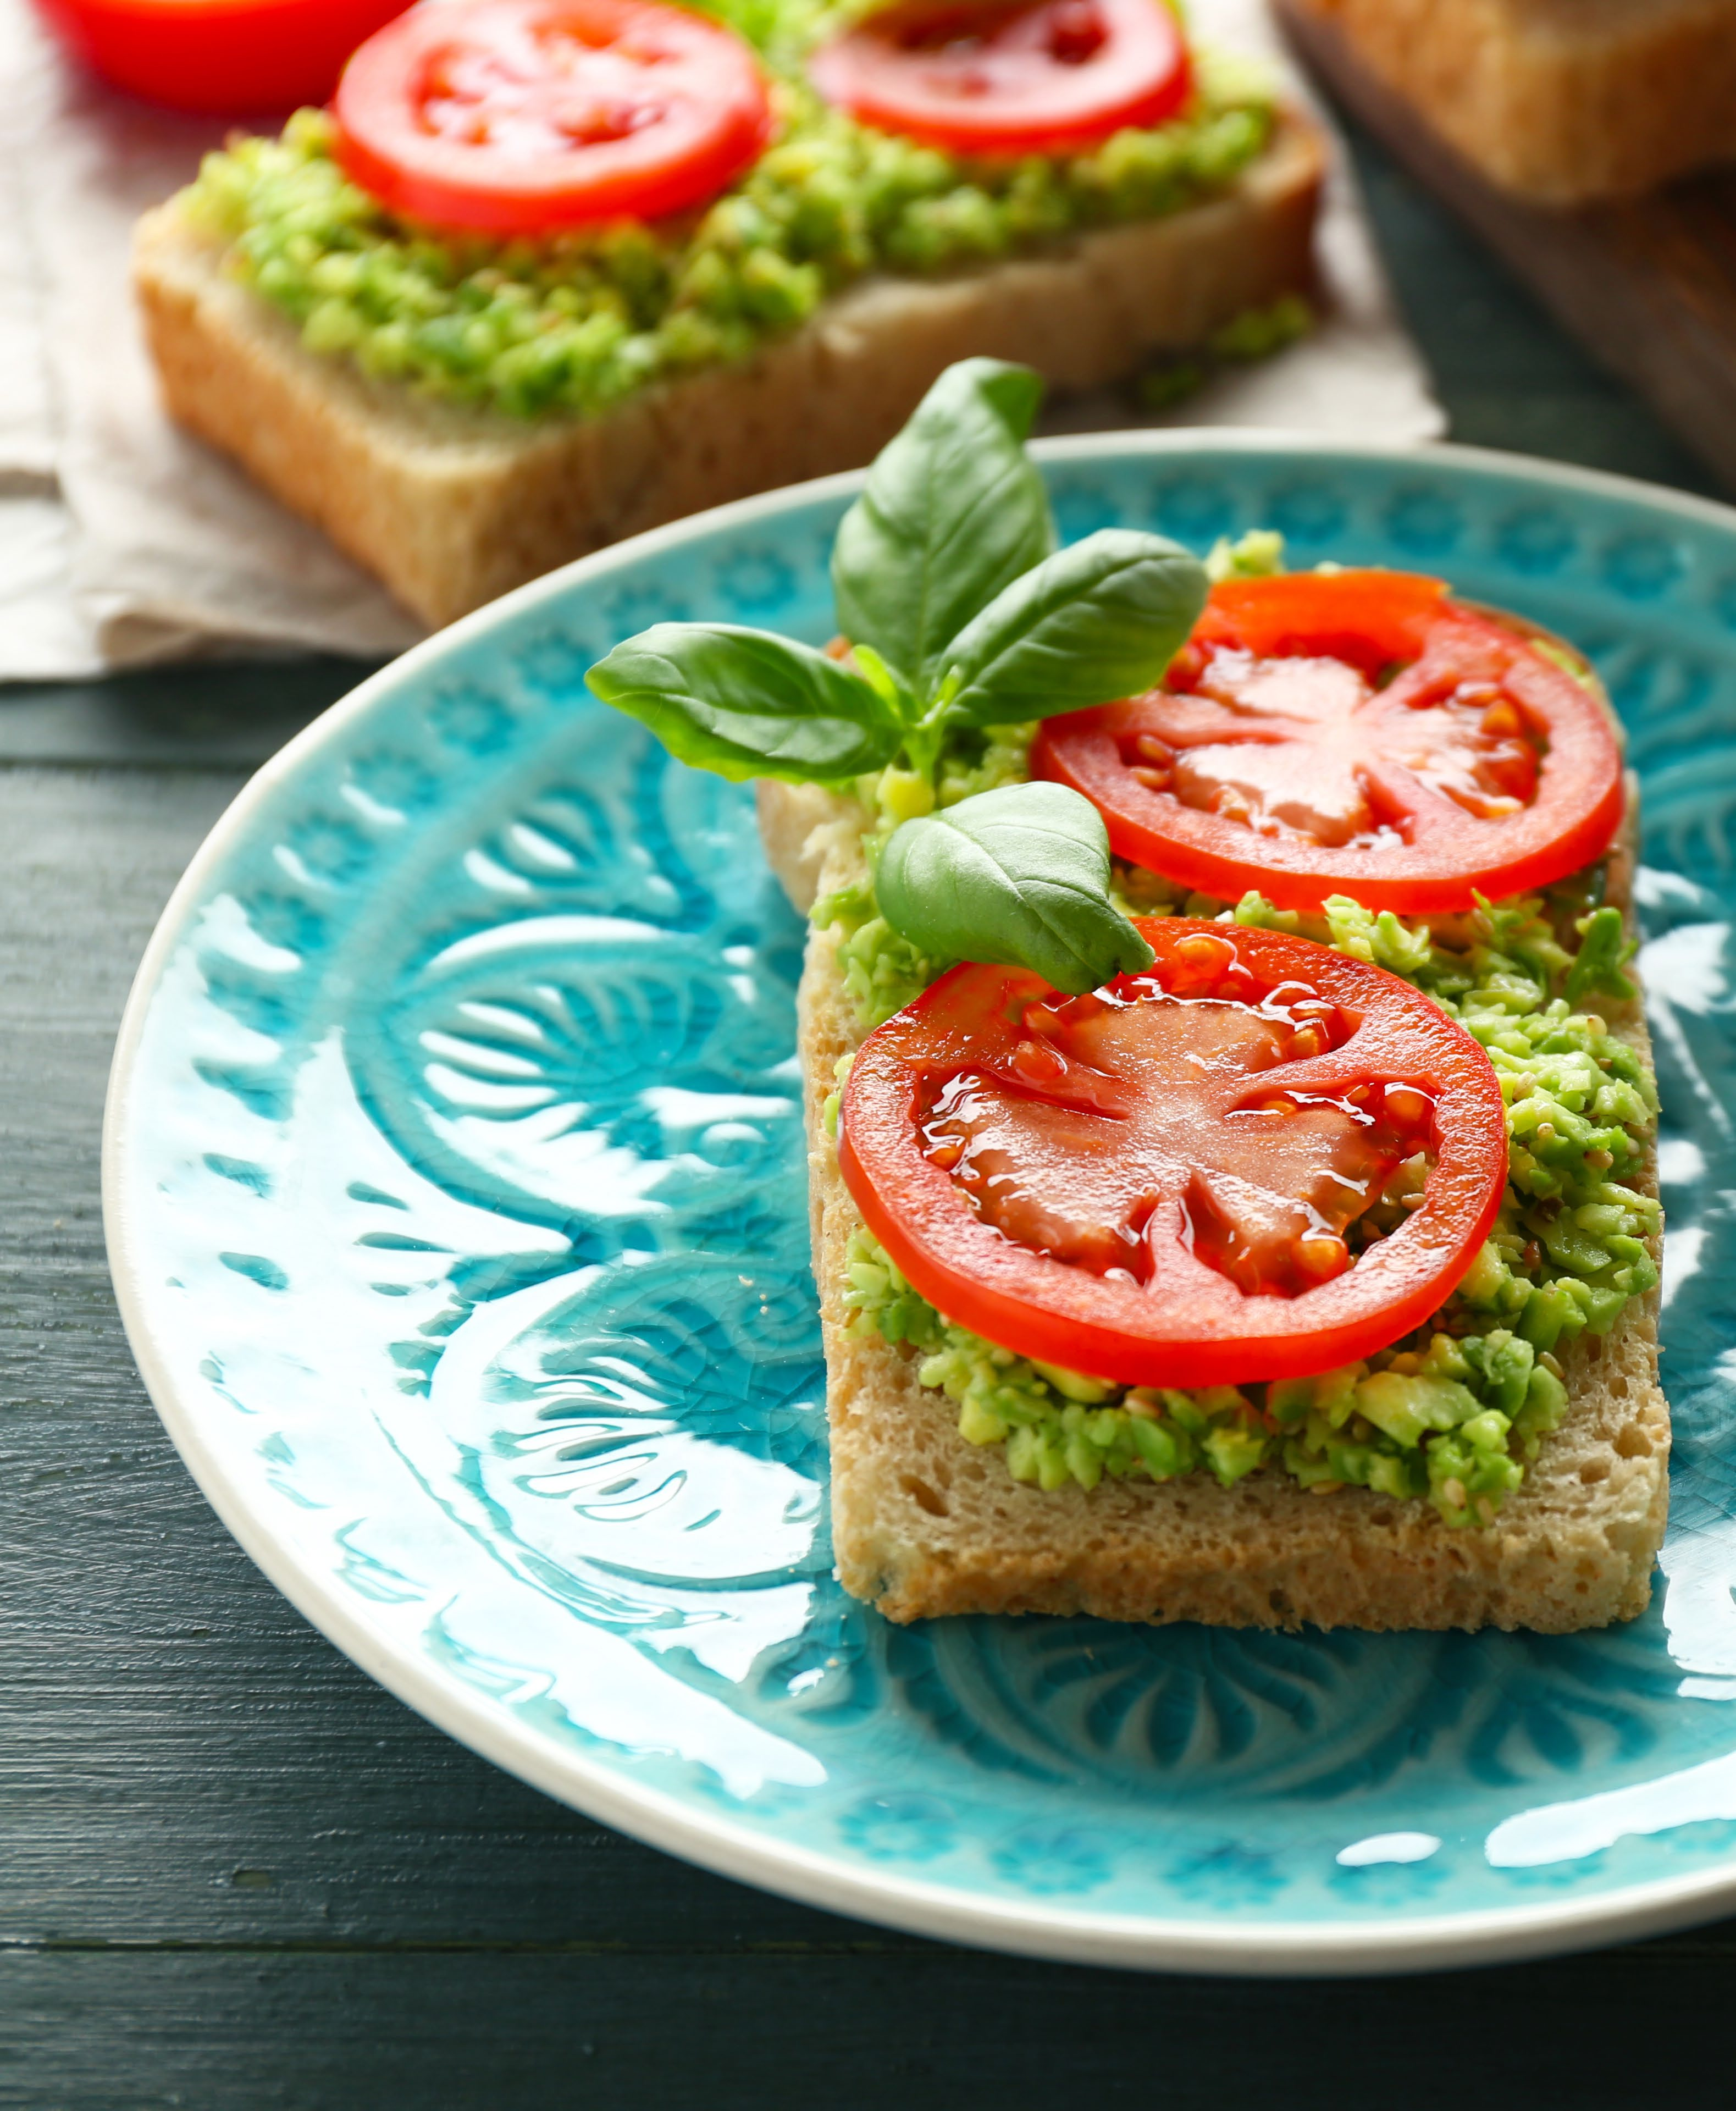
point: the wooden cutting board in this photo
(1648, 285)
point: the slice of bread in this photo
(451, 506)
(1563, 100)
(924, 1523)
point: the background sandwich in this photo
(510, 300)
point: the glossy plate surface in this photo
(456, 1203)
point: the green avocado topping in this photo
(1454, 1419)
(574, 323)
(1453, 1414)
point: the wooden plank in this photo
(1508, 375)
(236, 715)
(929, 2031)
(1648, 285)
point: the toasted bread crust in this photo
(451, 506)
(1563, 100)
(925, 1523)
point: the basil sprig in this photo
(960, 614)
(1020, 875)
(961, 611)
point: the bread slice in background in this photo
(1561, 101)
(925, 1524)
(451, 506)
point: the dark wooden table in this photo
(235, 1873)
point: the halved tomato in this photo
(978, 78)
(1353, 732)
(233, 57)
(518, 115)
(1169, 1182)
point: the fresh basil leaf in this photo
(747, 704)
(1020, 875)
(953, 509)
(1097, 621)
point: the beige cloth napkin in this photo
(123, 540)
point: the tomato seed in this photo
(1202, 953)
(1321, 1255)
(1407, 1106)
(1038, 1064)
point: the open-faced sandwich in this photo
(1231, 1117)
(553, 271)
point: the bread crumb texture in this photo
(925, 1523)
(1564, 100)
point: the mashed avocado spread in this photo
(575, 322)
(1453, 1412)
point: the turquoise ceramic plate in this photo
(455, 1199)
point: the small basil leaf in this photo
(1020, 875)
(747, 704)
(953, 509)
(1097, 621)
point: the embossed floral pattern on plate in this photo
(456, 1189)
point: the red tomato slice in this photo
(1353, 732)
(517, 115)
(228, 55)
(982, 79)
(1154, 1183)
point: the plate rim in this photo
(1274, 1948)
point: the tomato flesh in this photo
(987, 79)
(1356, 733)
(1286, 1178)
(519, 115)
(1163, 1182)
(232, 56)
